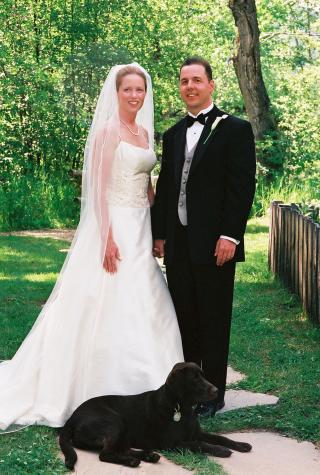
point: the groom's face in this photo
(195, 88)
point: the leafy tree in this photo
(54, 57)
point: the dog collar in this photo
(177, 413)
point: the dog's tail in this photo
(68, 451)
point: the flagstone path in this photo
(272, 454)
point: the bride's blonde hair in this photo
(129, 70)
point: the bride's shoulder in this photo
(109, 130)
(144, 133)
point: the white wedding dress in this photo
(124, 342)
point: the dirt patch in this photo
(62, 234)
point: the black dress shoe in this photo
(208, 409)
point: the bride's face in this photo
(131, 93)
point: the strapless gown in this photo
(124, 342)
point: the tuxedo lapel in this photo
(179, 148)
(202, 142)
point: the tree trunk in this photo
(248, 67)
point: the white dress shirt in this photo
(193, 135)
(194, 132)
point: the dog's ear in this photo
(178, 366)
(185, 364)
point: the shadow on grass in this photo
(29, 267)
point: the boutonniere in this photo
(214, 125)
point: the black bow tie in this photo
(201, 118)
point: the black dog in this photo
(161, 419)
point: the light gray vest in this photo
(182, 203)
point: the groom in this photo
(204, 195)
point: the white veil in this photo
(101, 144)
(99, 154)
(71, 308)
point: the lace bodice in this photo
(130, 176)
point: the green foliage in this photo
(289, 44)
(302, 188)
(38, 201)
(54, 57)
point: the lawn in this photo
(272, 343)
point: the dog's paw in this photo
(70, 463)
(70, 466)
(152, 457)
(132, 462)
(242, 447)
(220, 451)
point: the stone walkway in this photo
(272, 454)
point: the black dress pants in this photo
(202, 295)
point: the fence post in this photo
(305, 265)
(309, 266)
(300, 262)
(273, 236)
(315, 269)
(282, 238)
(295, 231)
(317, 274)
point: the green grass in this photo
(201, 464)
(30, 451)
(29, 268)
(272, 343)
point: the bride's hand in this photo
(111, 256)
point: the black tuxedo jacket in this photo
(220, 187)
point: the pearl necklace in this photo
(130, 130)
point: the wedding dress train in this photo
(125, 341)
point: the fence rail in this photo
(294, 253)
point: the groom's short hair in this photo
(199, 60)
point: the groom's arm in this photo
(160, 206)
(240, 182)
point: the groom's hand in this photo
(224, 251)
(158, 247)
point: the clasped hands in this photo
(224, 250)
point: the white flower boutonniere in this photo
(214, 125)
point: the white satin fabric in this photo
(124, 342)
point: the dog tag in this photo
(177, 415)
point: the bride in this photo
(109, 325)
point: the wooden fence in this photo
(294, 253)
